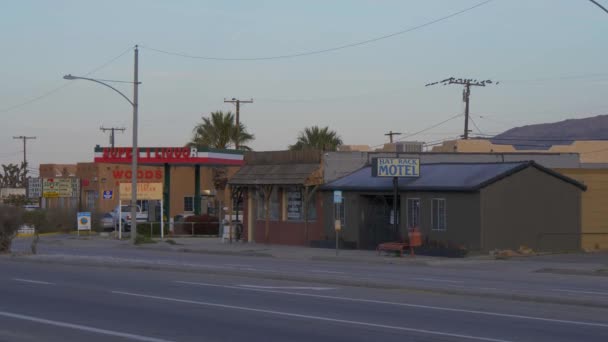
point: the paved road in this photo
(512, 278)
(48, 302)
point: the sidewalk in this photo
(572, 264)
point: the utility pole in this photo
(112, 130)
(24, 180)
(135, 151)
(390, 135)
(467, 82)
(238, 127)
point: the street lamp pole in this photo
(134, 152)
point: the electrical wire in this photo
(65, 84)
(474, 124)
(422, 130)
(321, 51)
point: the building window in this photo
(188, 204)
(439, 214)
(275, 205)
(312, 208)
(294, 204)
(413, 212)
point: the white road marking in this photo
(581, 291)
(316, 288)
(33, 281)
(419, 306)
(237, 265)
(440, 280)
(318, 318)
(81, 327)
(330, 272)
(477, 288)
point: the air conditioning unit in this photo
(409, 146)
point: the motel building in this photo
(186, 175)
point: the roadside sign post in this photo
(396, 168)
(83, 222)
(145, 191)
(337, 223)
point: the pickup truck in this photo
(125, 217)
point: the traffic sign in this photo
(337, 196)
(108, 194)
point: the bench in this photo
(392, 246)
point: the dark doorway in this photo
(377, 222)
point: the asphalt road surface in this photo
(50, 302)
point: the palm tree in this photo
(318, 138)
(219, 131)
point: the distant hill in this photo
(543, 136)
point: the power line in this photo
(422, 130)
(56, 89)
(474, 124)
(320, 51)
(599, 5)
(390, 135)
(467, 82)
(112, 131)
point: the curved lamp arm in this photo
(70, 77)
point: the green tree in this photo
(219, 131)
(318, 138)
(13, 175)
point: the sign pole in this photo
(119, 219)
(396, 195)
(162, 221)
(337, 241)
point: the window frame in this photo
(445, 214)
(191, 198)
(409, 217)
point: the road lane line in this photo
(318, 318)
(477, 288)
(81, 327)
(419, 306)
(316, 288)
(581, 291)
(440, 280)
(33, 281)
(329, 272)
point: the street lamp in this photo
(135, 154)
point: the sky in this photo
(548, 55)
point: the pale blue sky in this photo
(550, 56)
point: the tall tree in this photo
(13, 175)
(318, 138)
(219, 131)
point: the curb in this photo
(565, 271)
(126, 264)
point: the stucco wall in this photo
(521, 208)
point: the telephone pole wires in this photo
(390, 135)
(112, 130)
(237, 102)
(468, 83)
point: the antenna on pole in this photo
(466, 94)
(112, 130)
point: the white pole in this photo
(162, 222)
(119, 219)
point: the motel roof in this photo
(441, 177)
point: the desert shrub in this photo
(11, 218)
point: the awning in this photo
(283, 174)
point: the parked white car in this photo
(107, 221)
(125, 217)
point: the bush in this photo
(144, 229)
(51, 220)
(11, 218)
